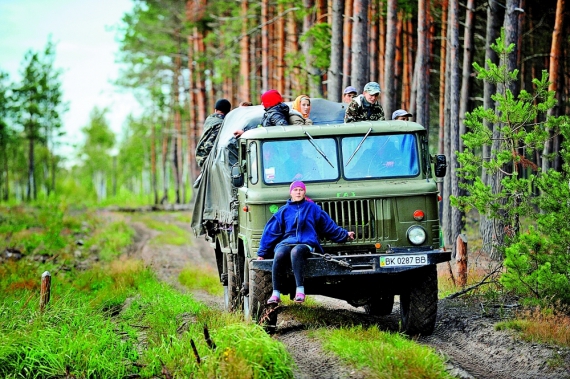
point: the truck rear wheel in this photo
(381, 305)
(260, 288)
(418, 304)
(234, 298)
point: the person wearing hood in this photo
(292, 234)
(365, 107)
(301, 109)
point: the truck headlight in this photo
(416, 235)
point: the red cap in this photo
(271, 98)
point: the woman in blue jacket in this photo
(292, 233)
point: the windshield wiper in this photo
(358, 147)
(311, 140)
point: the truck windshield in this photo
(381, 156)
(287, 160)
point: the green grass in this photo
(170, 234)
(115, 319)
(201, 277)
(381, 354)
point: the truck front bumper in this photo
(363, 264)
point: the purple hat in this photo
(350, 89)
(297, 183)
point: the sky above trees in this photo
(85, 50)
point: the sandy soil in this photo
(464, 333)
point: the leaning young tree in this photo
(506, 202)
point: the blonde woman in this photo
(300, 111)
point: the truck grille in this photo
(356, 215)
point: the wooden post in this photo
(45, 290)
(461, 259)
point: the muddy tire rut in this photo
(464, 331)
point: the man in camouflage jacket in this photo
(365, 107)
(212, 127)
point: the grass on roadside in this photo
(545, 326)
(170, 234)
(114, 319)
(201, 277)
(381, 354)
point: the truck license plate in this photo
(404, 260)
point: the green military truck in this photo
(374, 178)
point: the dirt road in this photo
(464, 332)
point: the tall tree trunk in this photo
(360, 71)
(467, 62)
(389, 57)
(264, 45)
(280, 47)
(422, 97)
(373, 58)
(165, 180)
(347, 39)
(153, 159)
(554, 75)
(334, 88)
(446, 223)
(31, 193)
(381, 45)
(293, 48)
(200, 83)
(456, 214)
(511, 25)
(245, 67)
(442, 61)
(486, 225)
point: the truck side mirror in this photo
(440, 166)
(237, 175)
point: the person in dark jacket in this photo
(276, 112)
(292, 234)
(212, 127)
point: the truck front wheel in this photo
(260, 288)
(418, 303)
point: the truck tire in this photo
(234, 298)
(260, 289)
(381, 305)
(418, 303)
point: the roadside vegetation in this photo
(114, 318)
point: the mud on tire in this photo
(260, 289)
(418, 303)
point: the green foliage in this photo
(537, 263)
(383, 355)
(320, 35)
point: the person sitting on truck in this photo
(348, 94)
(276, 112)
(365, 107)
(402, 115)
(292, 234)
(212, 127)
(301, 109)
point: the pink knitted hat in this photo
(297, 183)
